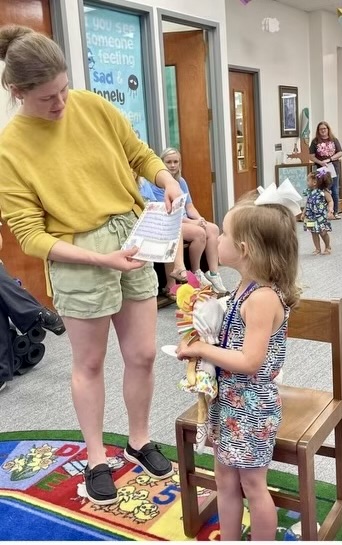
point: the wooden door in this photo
(186, 51)
(34, 14)
(243, 132)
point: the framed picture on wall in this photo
(297, 173)
(288, 103)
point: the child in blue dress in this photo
(260, 242)
(319, 209)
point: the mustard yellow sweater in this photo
(63, 177)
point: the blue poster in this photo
(115, 63)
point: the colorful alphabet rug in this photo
(42, 495)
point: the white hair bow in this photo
(285, 194)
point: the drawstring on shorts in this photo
(121, 225)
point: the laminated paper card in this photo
(157, 232)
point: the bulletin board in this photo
(297, 174)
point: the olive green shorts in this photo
(87, 291)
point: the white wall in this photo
(281, 57)
(305, 53)
(326, 39)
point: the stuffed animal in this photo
(199, 317)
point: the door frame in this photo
(59, 32)
(215, 102)
(258, 119)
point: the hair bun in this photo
(8, 34)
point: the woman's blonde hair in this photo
(171, 151)
(30, 58)
(270, 233)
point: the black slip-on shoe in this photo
(151, 460)
(100, 487)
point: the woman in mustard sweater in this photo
(68, 195)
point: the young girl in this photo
(319, 208)
(260, 242)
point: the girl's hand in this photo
(330, 215)
(202, 223)
(186, 352)
(122, 260)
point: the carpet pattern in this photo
(42, 494)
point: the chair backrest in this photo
(321, 320)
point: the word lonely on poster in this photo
(112, 95)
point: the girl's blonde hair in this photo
(171, 151)
(30, 58)
(270, 233)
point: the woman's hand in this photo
(202, 222)
(172, 191)
(122, 260)
(171, 187)
(186, 352)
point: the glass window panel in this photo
(172, 106)
(240, 136)
(115, 62)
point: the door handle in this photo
(254, 166)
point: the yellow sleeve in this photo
(141, 157)
(22, 211)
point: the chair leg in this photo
(307, 496)
(338, 460)
(186, 465)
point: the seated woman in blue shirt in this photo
(201, 235)
(173, 271)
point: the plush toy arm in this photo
(191, 372)
(202, 408)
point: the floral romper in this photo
(316, 211)
(245, 416)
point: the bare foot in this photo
(327, 251)
(316, 252)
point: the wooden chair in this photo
(309, 416)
